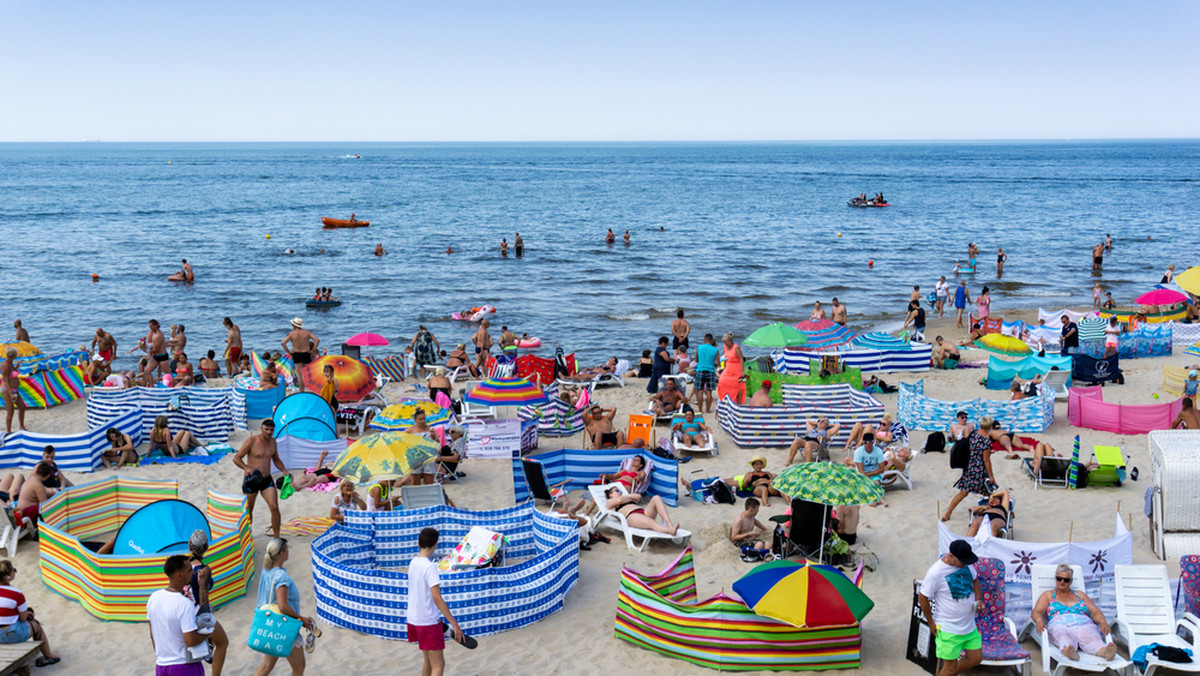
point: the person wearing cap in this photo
(302, 345)
(97, 370)
(762, 398)
(954, 588)
(1192, 385)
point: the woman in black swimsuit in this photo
(758, 481)
(996, 433)
(996, 508)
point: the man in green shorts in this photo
(952, 585)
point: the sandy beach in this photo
(580, 638)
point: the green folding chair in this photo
(1111, 471)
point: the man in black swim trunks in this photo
(519, 245)
(155, 345)
(599, 425)
(303, 345)
(255, 458)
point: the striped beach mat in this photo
(391, 366)
(307, 525)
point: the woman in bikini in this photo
(1008, 440)
(160, 438)
(758, 481)
(629, 478)
(640, 517)
(10, 390)
(120, 451)
(996, 508)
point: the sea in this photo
(736, 235)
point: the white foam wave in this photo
(630, 317)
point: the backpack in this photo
(960, 454)
(721, 493)
(935, 443)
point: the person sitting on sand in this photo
(120, 451)
(668, 400)
(1188, 418)
(383, 496)
(1074, 623)
(97, 370)
(640, 517)
(996, 509)
(692, 433)
(762, 398)
(746, 531)
(174, 446)
(976, 334)
(269, 379)
(209, 366)
(599, 425)
(630, 478)
(757, 481)
(34, 491)
(961, 428)
(815, 441)
(346, 498)
(1109, 303)
(183, 371)
(945, 355)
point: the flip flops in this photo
(310, 641)
(468, 642)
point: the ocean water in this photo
(737, 235)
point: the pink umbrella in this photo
(367, 340)
(1160, 297)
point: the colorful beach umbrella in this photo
(1092, 327)
(776, 335)
(803, 594)
(24, 349)
(824, 334)
(1160, 297)
(287, 369)
(1189, 280)
(1005, 346)
(507, 392)
(400, 416)
(1194, 349)
(379, 457)
(878, 340)
(367, 340)
(354, 378)
(828, 483)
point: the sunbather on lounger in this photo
(992, 429)
(598, 423)
(640, 517)
(607, 367)
(882, 431)
(629, 478)
(1076, 624)
(815, 440)
(668, 400)
(961, 428)
(1024, 388)
(996, 508)
(690, 431)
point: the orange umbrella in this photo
(354, 378)
(23, 349)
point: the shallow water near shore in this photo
(749, 234)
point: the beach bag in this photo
(960, 454)
(935, 443)
(1168, 653)
(273, 633)
(721, 493)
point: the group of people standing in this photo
(717, 369)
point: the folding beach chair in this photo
(13, 532)
(710, 443)
(1111, 471)
(1052, 472)
(539, 487)
(809, 525)
(641, 426)
(1007, 533)
(1000, 645)
(418, 497)
(1041, 579)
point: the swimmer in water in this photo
(610, 237)
(449, 249)
(379, 250)
(626, 237)
(289, 251)
(504, 247)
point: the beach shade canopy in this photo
(379, 457)
(354, 378)
(507, 392)
(878, 340)
(162, 527)
(803, 594)
(1160, 297)
(24, 349)
(1005, 346)
(1189, 280)
(827, 483)
(776, 335)
(824, 334)
(399, 416)
(367, 340)
(304, 415)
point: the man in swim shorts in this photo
(598, 423)
(519, 245)
(33, 493)
(105, 345)
(255, 458)
(707, 361)
(155, 345)
(303, 345)
(838, 312)
(233, 345)
(1098, 257)
(680, 330)
(483, 344)
(22, 334)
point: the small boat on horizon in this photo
(335, 223)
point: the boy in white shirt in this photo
(424, 602)
(172, 617)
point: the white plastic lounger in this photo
(477, 411)
(896, 477)
(616, 520)
(1041, 580)
(710, 444)
(1146, 614)
(13, 533)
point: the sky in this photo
(352, 70)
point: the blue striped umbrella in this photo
(824, 334)
(879, 341)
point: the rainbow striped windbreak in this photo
(51, 388)
(659, 612)
(115, 587)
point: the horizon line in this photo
(1046, 139)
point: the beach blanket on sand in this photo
(301, 526)
(211, 455)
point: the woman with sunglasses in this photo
(1073, 620)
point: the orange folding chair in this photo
(641, 426)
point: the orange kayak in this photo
(331, 223)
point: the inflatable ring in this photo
(529, 343)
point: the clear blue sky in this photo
(563, 70)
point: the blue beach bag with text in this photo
(273, 633)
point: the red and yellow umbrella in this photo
(1003, 345)
(803, 594)
(354, 378)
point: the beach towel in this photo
(301, 526)
(205, 455)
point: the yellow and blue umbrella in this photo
(24, 349)
(803, 594)
(1003, 345)
(1189, 280)
(400, 416)
(379, 457)
(507, 392)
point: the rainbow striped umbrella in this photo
(400, 416)
(354, 378)
(287, 369)
(824, 334)
(803, 594)
(507, 392)
(380, 457)
(1003, 345)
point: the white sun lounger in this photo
(1146, 614)
(616, 521)
(1041, 579)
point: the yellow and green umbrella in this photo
(1003, 345)
(803, 594)
(390, 455)
(827, 483)
(401, 416)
